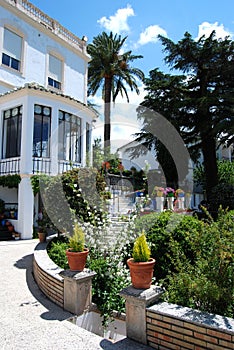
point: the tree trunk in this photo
(210, 164)
(107, 111)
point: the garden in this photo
(194, 258)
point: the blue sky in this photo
(141, 21)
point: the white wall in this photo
(37, 45)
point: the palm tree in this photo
(110, 70)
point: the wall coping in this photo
(45, 263)
(197, 317)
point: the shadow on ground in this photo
(54, 312)
(126, 344)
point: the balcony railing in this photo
(64, 166)
(41, 166)
(9, 166)
(55, 27)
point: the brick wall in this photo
(46, 274)
(173, 327)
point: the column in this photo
(26, 207)
(54, 141)
(83, 142)
(136, 302)
(77, 290)
(25, 195)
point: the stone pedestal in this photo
(136, 302)
(77, 290)
(170, 203)
(159, 204)
(181, 203)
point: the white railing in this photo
(9, 166)
(64, 166)
(39, 16)
(41, 166)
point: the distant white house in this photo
(45, 123)
(138, 162)
(223, 152)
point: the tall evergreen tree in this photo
(200, 103)
(111, 70)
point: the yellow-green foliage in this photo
(77, 241)
(141, 250)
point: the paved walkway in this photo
(28, 320)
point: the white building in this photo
(45, 123)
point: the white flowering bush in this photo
(107, 256)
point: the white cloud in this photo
(206, 28)
(150, 35)
(118, 22)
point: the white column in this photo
(26, 163)
(25, 195)
(54, 142)
(26, 207)
(83, 142)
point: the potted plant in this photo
(42, 227)
(141, 265)
(158, 191)
(77, 253)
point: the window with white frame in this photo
(55, 72)
(41, 132)
(69, 137)
(12, 126)
(12, 50)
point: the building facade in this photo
(45, 123)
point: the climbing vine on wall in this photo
(10, 181)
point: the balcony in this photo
(10, 166)
(49, 23)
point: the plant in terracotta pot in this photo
(42, 228)
(141, 265)
(77, 253)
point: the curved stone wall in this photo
(47, 275)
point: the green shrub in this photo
(207, 282)
(57, 252)
(77, 240)
(141, 250)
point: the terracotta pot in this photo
(10, 228)
(42, 237)
(77, 260)
(141, 273)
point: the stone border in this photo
(176, 327)
(72, 290)
(47, 275)
(166, 326)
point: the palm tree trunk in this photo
(107, 112)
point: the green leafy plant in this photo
(56, 250)
(77, 240)
(141, 250)
(10, 181)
